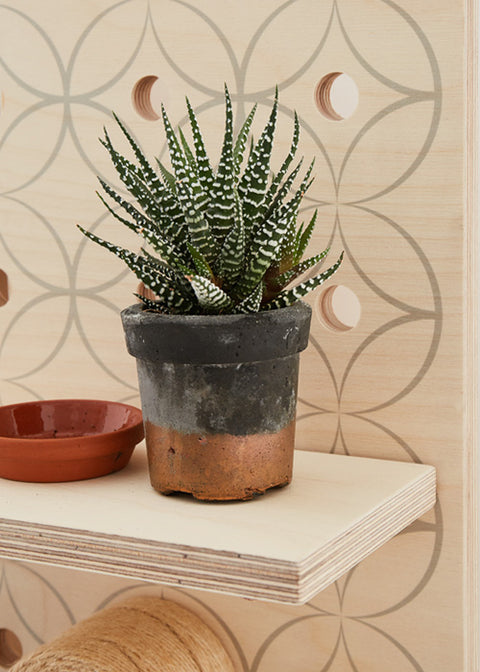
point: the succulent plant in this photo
(223, 241)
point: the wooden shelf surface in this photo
(285, 546)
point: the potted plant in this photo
(217, 339)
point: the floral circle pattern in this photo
(69, 98)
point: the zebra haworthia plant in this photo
(223, 241)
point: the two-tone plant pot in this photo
(219, 397)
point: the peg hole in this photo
(3, 288)
(10, 648)
(339, 309)
(146, 98)
(336, 96)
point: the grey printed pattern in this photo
(59, 105)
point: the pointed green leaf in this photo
(149, 175)
(151, 305)
(167, 176)
(184, 172)
(201, 264)
(289, 296)
(285, 166)
(187, 151)
(222, 210)
(162, 207)
(251, 304)
(199, 230)
(303, 237)
(242, 138)
(253, 183)
(205, 172)
(142, 226)
(231, 259)
(263, 251)
(284, 189)
(210, 297)
(293, 273)
(170, 288)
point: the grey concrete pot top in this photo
(216, 339)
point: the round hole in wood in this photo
(144, 98)
(336, 96)
(10, 648)
(3, 288)
(338, 308)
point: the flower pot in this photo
(219, 398)
(59, 440)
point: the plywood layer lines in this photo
(284, 547)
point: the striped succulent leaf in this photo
(304, 236)
(181, 166)
(188, 152)
(210, 297)
(168, 220)
(221, 213)
(289, 296)
(252, 303)
(149, 176)
(201, 264)
(224, 241)
(293, 273)
(253, 183)
(205, 172)
(168, 178)
(148, 230)
(277, 180)
(284, 189)
(231, 259)
(199, 230)
(241, 141)
(263, 251)
(168, 286)
(150, 304)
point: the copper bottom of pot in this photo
(219, 467)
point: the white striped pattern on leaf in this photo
(205, 172)
(199, 230)
(241, 140)
(164, 283)
(221, 213)
(253, 183)
(210, 297)
(149, 176)
(285, 166)
(263, 251)
(182, 168)
(231, 259)
(251, 304)
(149, 231)
(304, 236)
(289, 296)
(297, 270)
(201, 264)
(173, 228)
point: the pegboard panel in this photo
(390, 377)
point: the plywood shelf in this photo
(284, 547)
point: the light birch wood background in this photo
(393, 190)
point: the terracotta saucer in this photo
(67, 439)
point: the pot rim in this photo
(133, 429)
(216, 339)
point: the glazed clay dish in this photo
(66, 439)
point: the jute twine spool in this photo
(143, 634)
